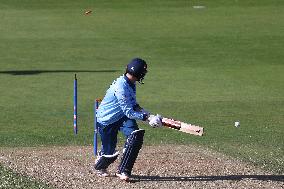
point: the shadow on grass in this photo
(35, 72)
(137, 178)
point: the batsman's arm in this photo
(124, 100)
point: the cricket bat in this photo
(182, 126)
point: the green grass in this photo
(209, 66)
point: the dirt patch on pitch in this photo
(156, 167)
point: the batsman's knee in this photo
(104, 161)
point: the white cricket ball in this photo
(237, 123)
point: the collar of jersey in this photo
(132, 85)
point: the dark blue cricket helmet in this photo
(138, 68)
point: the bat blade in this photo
(191, 129)
(182, 126)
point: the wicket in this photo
(75, 117)
(96, 106)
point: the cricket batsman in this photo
(119, 111)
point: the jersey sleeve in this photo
(127, 101)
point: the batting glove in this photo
(155, 121)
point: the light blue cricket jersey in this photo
(119, 101)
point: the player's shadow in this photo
(36, 72)
(139, 178)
